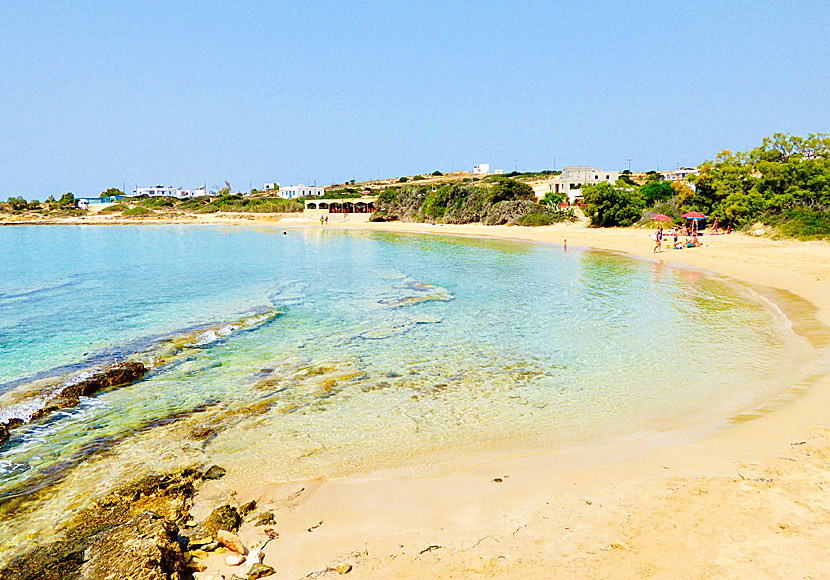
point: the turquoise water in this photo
(321, 352)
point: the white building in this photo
(293, 191)
(157, 191)
(498, 172)
(161, 191)
(679, 175)
(573, 177)
(482, 169)
(199, 192)
(272, 186)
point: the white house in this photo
(573, 177)
(482, 169)
(680, 175)
(199, 192)
(272, 186)
(161, 191)
(293, 191)
(157, 191)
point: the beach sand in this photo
(751, 501)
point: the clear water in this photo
(375, 350)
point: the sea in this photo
(291, 354)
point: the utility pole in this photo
(516, 165)
(629, 164)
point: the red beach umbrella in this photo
(694, 215)
(660, 218)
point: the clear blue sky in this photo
(96, 94)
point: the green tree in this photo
(110, 192)
(17, 203)
(609, 205)
(509, 189)
(67, 200)
(654, 191)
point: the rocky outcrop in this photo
(144, 547)
(136, 521)
(115, 375)
(112, 376)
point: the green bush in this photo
(538, 219)
(803, 223)
(437, 173)
(609, 206)
(136, 211)
(116, 207)
(403, 180)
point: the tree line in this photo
(784, 182)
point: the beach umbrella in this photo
(694, 215)
(660, 218)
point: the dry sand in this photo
(748, 502)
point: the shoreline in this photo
(747, 501)
(548, 519)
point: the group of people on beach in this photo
(688, 232)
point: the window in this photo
(607, 177)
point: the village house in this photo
(294, 191)
(573, 177)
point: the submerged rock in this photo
(143, 547)
(222, 518)
(214, 472)
(343, 568)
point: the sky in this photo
(112, 94)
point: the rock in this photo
(259, 571)
(210, 547)
(113, 376)
(214, 472)
(222, 518)
(234, 559)
(4, 434)
(265, 519)
(202, 432)
(143, 547)
(244, 510)
(231, 541)
(166, 495)
(343, 568)
(198, 542)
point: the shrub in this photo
(804, 223)
(608, 205)
(116, 207)
(538, 219)
(437, 173)
(136, 211)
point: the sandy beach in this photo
(750, 501)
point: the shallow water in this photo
(327, 353)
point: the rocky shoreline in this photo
(143, 530)
(116, 375)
